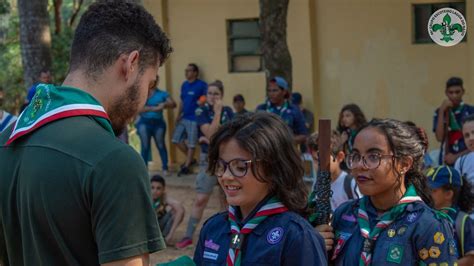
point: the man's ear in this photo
(130, 66)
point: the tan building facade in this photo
(343, 51)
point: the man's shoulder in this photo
(78, 137)
(262, 106)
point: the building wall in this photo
(343, 51)
(366, 56)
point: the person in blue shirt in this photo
(279, 104)
(392, 224)
(453, 194)
(209, 117)
(185, 134)
(264, 188)
(151, 124)
(454, 110)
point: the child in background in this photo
(343, 185)
(465, 163)
(351, 119)
(452, 194)
(170, 212)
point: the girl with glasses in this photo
(261, 173)
(392, 224)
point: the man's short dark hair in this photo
(454, 81)
(239, 98)
(109, 29)
(195, 67)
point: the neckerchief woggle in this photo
(52, 103)
(383, 222)
(271, 207)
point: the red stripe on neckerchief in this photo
(52, 103)
(384, 221)
(272, 206)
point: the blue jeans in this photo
(148, 128)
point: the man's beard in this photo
(125, 108)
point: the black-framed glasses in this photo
(237, 167)
(369, 161)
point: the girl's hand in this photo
(327, 232)
(218, 104)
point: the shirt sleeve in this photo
(229, 112)
(123, 220)
(260, 107)
(202, 116)
(435, 243)
(300, 126)
(469, 237)
(305, 248)
(199, 251)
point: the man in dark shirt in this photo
(70, 192)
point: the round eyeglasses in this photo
(369, 161)
(237, 167)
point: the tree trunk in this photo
(35, 38)
(276, 56)
(57, 16)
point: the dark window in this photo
(243, 38)
(423, 12)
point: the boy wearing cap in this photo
(278, 103)
(452, 194)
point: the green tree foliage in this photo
(11, 74)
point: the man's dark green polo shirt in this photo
(72, 194)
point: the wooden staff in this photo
(321, 194)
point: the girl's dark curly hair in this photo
(277, 161)
(406, 141)
(359, 117)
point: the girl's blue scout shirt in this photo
(415, 238)
(281, 239)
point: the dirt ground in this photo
(182, 189)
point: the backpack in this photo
(348, 188)
(459, 226)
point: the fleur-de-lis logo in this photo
(37, 104)
(446, 29)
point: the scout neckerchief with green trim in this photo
(454, 128)
(271, 207)
(278, 110)
(383, 222)
(52, 103)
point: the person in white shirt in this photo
(465, 163)
(6, 119)
(343, 185)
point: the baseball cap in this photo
(444, 175)
(281, 82)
